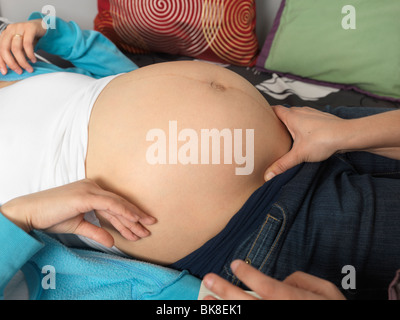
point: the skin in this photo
(297, 286)
(202, 198)
(14, 50)
(318, 135)
(62, 209)
(192, 203)
(311, 131)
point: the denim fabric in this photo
(211, 256)
(343, 211)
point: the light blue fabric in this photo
(85, 274)
(89, 51)
(16, 248)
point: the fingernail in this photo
(269, 176)
(133, 237)
(235, 265)
(3, 72)
(208, 281)
(152, 220)
(148, 220)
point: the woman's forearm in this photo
(378, 134)
(85, 49)
(318, 135)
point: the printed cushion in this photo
(216, 30)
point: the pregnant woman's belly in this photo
(187, 142)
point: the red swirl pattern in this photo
(236, 32)
(196, 28)
(160, 25)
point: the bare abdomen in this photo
(193, 200)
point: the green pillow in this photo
(352, 43)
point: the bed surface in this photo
(276, 89)
(281, 90)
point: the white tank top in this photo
(44, 131)
(43, 143)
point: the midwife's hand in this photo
(62, 209)
(316, 136)
(298, 286)
(17, 42)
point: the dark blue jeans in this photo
(342, 211)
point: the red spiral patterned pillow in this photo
(216, 30)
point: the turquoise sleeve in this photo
(16, 248)
(85, 49)
(186, 287)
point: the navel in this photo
(217, 86)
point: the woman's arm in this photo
(62, 209)
(378, 134)
(318, 135)
(88, 50)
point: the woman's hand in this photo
(298, 286)
(62, 209)
(316, 136)
(17, 42)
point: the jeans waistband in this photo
(261, 247)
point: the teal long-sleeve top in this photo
(53, 271)
(89, 51)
